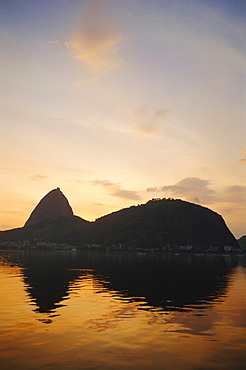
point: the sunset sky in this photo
(117, 102)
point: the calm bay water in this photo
(74, 310)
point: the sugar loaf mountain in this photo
(158, 224)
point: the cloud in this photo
(235, 194)
(126, 194)
(116, 191)
(197, 190)
(96, 42)
(55, 43)
(38, 177)
(193, 189)
(105, 183)
(243, 160)
(147, 120)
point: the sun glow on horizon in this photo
(119, 102)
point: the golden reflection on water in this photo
(96, 328)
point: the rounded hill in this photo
(164, 222)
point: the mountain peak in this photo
(51, 205)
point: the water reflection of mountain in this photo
(46, 276)
(165, 281)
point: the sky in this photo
(120, 101)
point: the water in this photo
(72, 310)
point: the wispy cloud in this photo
(106, 183)
(96, 41)
(202, 169)
(147, 120)
(235, 194)
(55, 43)
(243, 160)
(126, 194)
(115, 190)
(38, 177)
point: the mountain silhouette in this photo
(156, 224)
(164, 222)
(52, 205)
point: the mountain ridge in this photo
(155, 224)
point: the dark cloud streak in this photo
(115, 190)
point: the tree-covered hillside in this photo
(157, 223)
